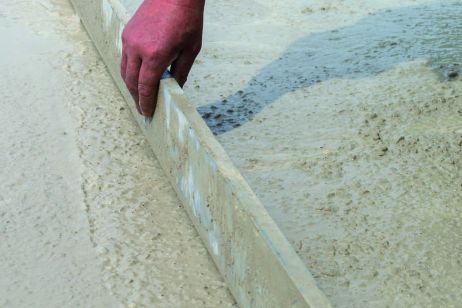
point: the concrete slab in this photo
(259, 265)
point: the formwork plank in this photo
(257, 262)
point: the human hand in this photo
(160, 34)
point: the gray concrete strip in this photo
(259, 265)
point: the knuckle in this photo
(131, 87)
(153, 52)
(129, 41)
(146, 91)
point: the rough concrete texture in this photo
(87, 216)
(46, 253)
(354, 143)
(259, 265)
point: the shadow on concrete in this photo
(374, 44)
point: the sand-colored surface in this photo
(87, 217)
(345, 117)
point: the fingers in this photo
(132, 73)
(142, 69)
(148, 84)
(183, 64)
(142, 77)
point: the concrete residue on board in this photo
(119, 39)
(107, 10)
(87, 215)
(354, 138)
(131, 5)
(107, 13)
(188, 181)
(199, 207)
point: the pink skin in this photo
(160, 34)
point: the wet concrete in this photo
(46, 254)
(345, 118)
(87, 215)
(373, 44)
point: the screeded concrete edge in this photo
(256, 260)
